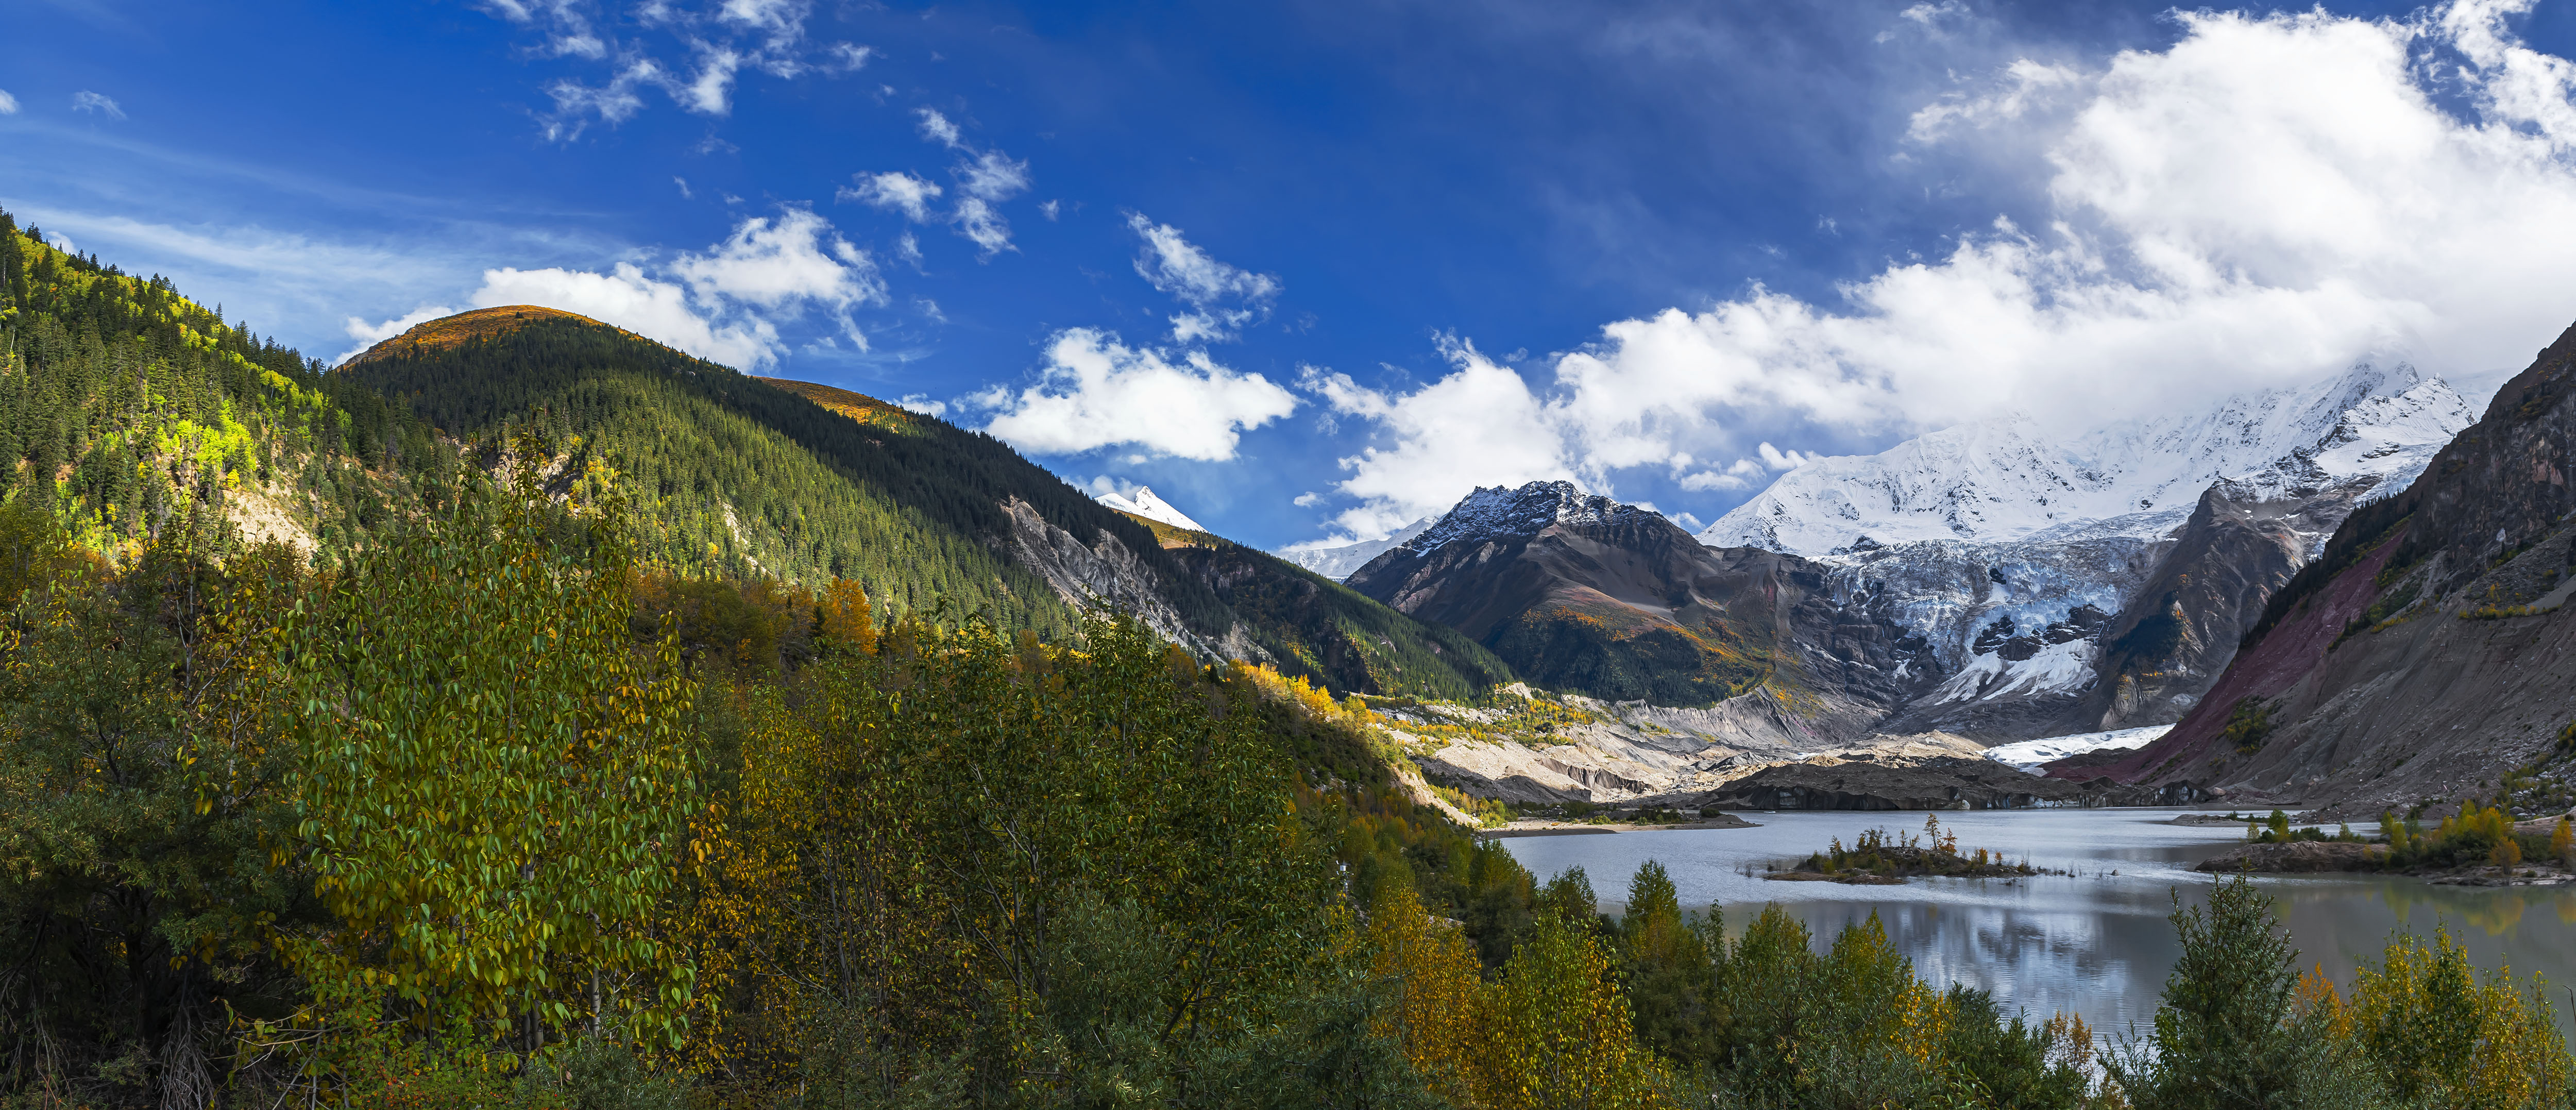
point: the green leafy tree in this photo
(494, 785)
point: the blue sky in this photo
(1314, 269)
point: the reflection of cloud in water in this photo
(2098, 945)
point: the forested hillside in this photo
(742, 477)
(125, 406)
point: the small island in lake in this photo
(1875, 859)
(2478, 846)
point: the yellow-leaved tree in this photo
(1433, 969)
(1556, 1030)
(2440, 1037)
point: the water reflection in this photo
(2097, 943)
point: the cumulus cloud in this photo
(783, 263)
(650, 307)
(368, 335)
(87, 101)
(922, 404)
(1222, 298)
(710, 92)
(1096, 393)
(900, 192)
(1778, 459)
(1478, 425)
(720, 304)
(2262, 203)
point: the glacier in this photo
(2010, 545)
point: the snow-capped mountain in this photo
(1146, 505)
(2015, 550)
(2010, 479)
(1492, 511)
(1339, 561)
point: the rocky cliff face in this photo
(2428, 650)
(1105, 574)
(1585, 594)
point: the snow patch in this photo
(2028, 755)
(1146, 505)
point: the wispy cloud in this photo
(1222, 298)
(695, 55)
(984, 179)
(8, 103)
(87, 101)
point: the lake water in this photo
(2097, 944)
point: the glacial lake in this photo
(2097, 944)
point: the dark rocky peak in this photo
(1495, 512)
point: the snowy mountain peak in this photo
(1146, 505)
(2008, 478)
(1502, 511)
(1337, 561)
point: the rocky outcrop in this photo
(1105, 574)
(1937, 783)
(2180, 628)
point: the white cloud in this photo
(1096, 392)
(1307, 500)
(1742, 474)
(981, 225)
(368, 335)
(720, 304)
(936, 128)
(1778, 459)
(626, 297)
(1176, 266)
(61, 242)
(2026, 85)
(899, 192)
(709, 93)
(784, 263)
(614, 103)
(922, 404)
(1478, 425)
(2262, 203)
(1222, 297)
(983, 182)
(993, 176)
(87, 101)
(849, 57)
(1050, 209)
(724, 40)
(8, 103)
